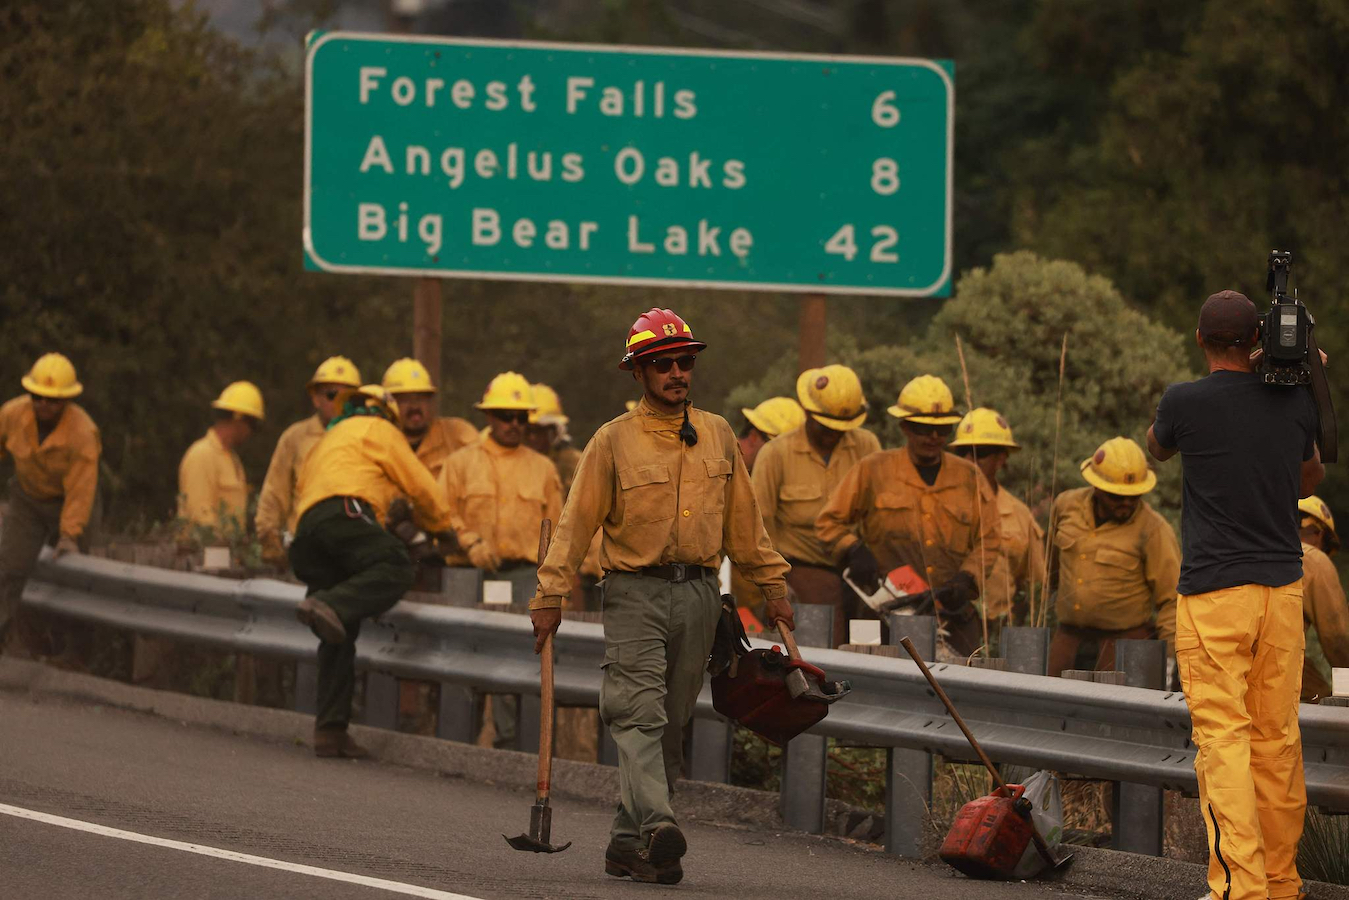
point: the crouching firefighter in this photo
(667, 485)
(353, 567)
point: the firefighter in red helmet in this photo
(666, 484)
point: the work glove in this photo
(482, 556)
(863, 568)
(545, 623)
(273, 550)
(955, 595)
(446, 541)
(779, 609)
(400, 510)
(65, 545)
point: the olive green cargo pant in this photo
(657, 635)
(28, 524)
(352, 564)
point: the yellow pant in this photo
(1240, 656)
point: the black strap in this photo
(1327, 437)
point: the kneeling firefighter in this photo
(353, 567)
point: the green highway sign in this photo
(628, 165)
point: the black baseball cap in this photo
(1228, 317)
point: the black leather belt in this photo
(678, 572)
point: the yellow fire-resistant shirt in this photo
(1021, 562)
(276, 500)
(660, 501)
(792, 482)
(566, 458)
(1324, 610)
(212, 488)
(936, 529)
(443, 437)
(502, 494)
(369, 458)
(1116, 576)
(64, 465)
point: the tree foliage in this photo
(1011, 319)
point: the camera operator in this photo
(1248, 452)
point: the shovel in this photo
(1041, 847)
(541, 814)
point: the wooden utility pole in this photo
(426, 310)
(810, 347)
(426, 306)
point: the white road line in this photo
(395, 887)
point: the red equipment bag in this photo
(757, 697)
(990, 835)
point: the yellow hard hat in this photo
(1316, 508)
(984, 427)
(337, 370)
(52, 376)
(548, 410)
(379, 396)
(509, 390)
(776, 415)
(833, 395)
(1119, 467)
(242, 397)
(926, 400)
(407, 376)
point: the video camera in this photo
(1290, 355)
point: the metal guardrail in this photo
(1132, 736)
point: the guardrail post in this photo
(1138, 811)
(306, 687)
(908, 773)
(457, 716)
(711, 756)
(461, 586)
(1026, 649)
(381, 701)
(922, 630)
(527, 722)
(806, 757)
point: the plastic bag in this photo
(1042, 790)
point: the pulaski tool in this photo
(541, 814)
(989, 834)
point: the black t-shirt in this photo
(1242, 444)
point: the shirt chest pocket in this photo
(1114, 563)
(531, 497)
(647, 494)
(718, 475)
(894, 514)
(480, 504)
(800, 503)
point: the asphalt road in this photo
(151, 777)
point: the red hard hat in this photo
(656, 330)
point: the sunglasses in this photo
(520, 418)
(666, 363)
(925, 429)
(38, 398)
(331, 393)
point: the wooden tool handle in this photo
(788, 640)
(545, 684)
(950, 708)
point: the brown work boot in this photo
(665, 845)
(322, 620)
(623, 863)
(333, 741)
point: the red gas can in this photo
(990, 835)
(757, 696)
